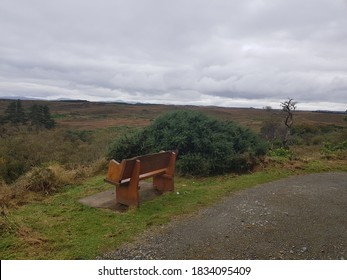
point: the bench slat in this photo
(154, 162)
(142, 177)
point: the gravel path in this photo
(302, 217)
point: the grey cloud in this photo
(206, 52)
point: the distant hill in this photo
(330, 112)
(18, 97)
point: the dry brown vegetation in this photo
(77, 147)
(92, 115)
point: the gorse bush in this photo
(206, 145)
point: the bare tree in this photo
(288, 107)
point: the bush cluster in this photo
(309, 134)
(22, 149)
(206, 146)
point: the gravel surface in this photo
(301, 217)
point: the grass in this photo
(59, 227)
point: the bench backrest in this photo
(148, 164)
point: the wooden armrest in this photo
(115, 172)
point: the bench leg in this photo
(163, 183)
(128, 194)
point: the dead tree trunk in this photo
(288, 107)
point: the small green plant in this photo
(284, 153)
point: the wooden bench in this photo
(127, 175)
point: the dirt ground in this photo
(302, 217)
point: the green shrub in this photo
(188, 164)
(206, 145)
(130, 145)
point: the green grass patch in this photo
(59, 227)
(326, 166)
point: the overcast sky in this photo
(238, 53)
